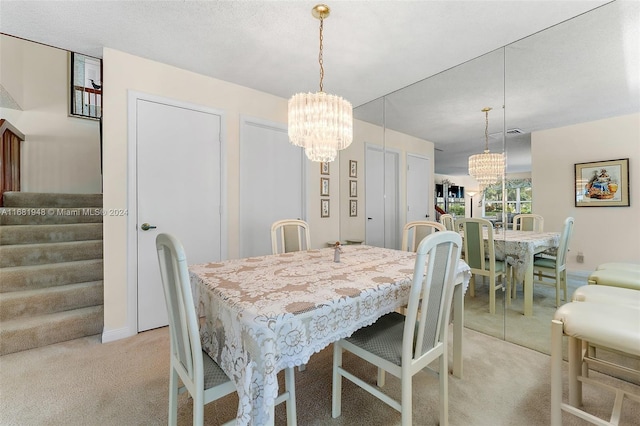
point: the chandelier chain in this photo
(320, 60)
(486, 128)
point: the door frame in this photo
(132, 192)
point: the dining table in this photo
(263, 314)
(519, 249)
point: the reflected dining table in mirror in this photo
(263, 314)
(519, 249)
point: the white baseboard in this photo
(117, 334)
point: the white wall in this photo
(353, 228)
(603, 234)
(123, 72)
(60, 153)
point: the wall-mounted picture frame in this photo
(353, 188)
(85, 97)
(353, 168)
(353, 208)
(324, 187)
(324, 208)
(324, 168)
(602, 183)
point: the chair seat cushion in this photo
(621, 266)
(500, 266)
(607, 294)
(544, 262)
(382, 338)
(616, 278)
(213, 374)
(612, 326)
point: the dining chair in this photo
(481, 258)
(528, 222)
(405, 345)
(448, 221)
(552, 270)
(201, 376)
(290, 235)
(414, 232)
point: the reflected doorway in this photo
(381, 197)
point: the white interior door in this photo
(381, 197)
(271, 183)
(178, 191)
(419, 199)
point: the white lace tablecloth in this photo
(267, 313)
(519, 247)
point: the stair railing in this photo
(10, 139)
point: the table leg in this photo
(458, 325)
(528, 288)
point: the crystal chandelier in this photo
(319, 122)
(486, 168)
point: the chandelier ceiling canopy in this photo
(319, 122)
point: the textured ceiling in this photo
(371, 48)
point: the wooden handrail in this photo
(5, 125)
(88, 90)
(10, 139)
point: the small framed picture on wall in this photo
(353, 168)
(324, 168)
(324, 208)
(353, 188)
(324, 187)
(353, 208)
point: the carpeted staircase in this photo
(51, 271)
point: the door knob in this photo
(369, 218)
(145, 227)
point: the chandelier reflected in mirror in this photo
(319, 122)
(486, 168)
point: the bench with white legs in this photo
(606, 318)
(624, 278)
(622, 266)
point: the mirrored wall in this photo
(570, 73)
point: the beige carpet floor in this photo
(532, 331)
(84, 382)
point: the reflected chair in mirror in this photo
(290, 235)
(200, 375)
(405, 345)
(552, 270)
(481, 258)
(528, 222)
(448, 221)
(414, 232)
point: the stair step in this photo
(49, 215)
(50, 300)
(36, 199)
(22, 334)
(39, 254)
(20, 278)
(34, 234)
